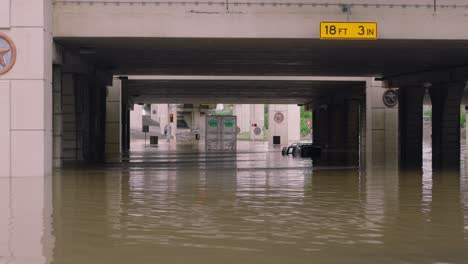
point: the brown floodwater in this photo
(167, 206)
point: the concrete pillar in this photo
(26, 90)
(257, 116)
(466, 133)
(57, 116)
(136, 117)
(242, 111)
(97, 113)
(26, 134)
(336, 129)
(125, 115)
(284, 121)
(352, 129)
(113, 121)
(337, 133)
(69, 135)
(196, 118)
(411, 127)
(172, 132)
(446, 100)
(381, 129)
(163, 116)
(320, 134)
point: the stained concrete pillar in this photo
(113, 139)
(446, 100)
(125, 115)
(320, 134)
(69, 135)
(336, 128)
(381, 129)
(352, 130)
(97, 114)
(57, 116)
(337, 134)
(284, 121)
(411, 127)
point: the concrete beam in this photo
(251, 19)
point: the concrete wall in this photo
(26, 90)
(416, 19)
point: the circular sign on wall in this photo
(278, 117)
(257, 131)
(390, 98)
(7, 54)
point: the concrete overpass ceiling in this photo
(199, 56)
(240, 91)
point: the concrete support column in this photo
(97, 115)
(446, 101)
(242, 111)
(26, 134)
(337, 134)
(381, 129)
(466, 134)
(286, 124)
(163, 116)
(320, 135)
(57, 116)
(70, 147)
(257, 116)
(173, 125)
(113, 122)
(351, 142)
(196, 118)
(411, 127)
(336, 129)
(125, 115)
(26, 90)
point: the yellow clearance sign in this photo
(348, 30)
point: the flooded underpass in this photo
(173, 206)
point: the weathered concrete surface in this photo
(256, 19)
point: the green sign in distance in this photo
(213, 123)
(228, 123)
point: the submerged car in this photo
(304, 150)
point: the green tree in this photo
(305, 115)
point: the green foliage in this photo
(428, 114)
(305, 115)
(265, 118)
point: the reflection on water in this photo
(253, 207)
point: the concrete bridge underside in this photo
(420, 47)
(198, 70)
(255, 56)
